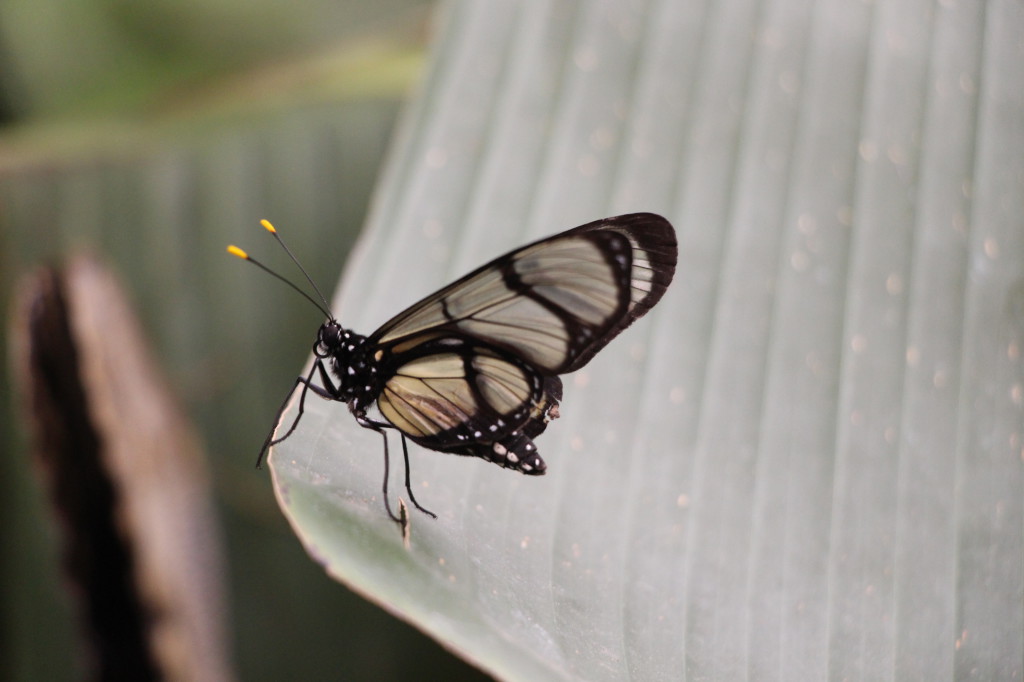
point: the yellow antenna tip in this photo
(235, 251)
(270, 228)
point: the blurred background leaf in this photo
(118, 58)
(155, 135)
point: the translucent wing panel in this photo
(652, 257)
(486, 289)
(524, 325)
(428, 395)
(449, 398)
(503, 386)
(576, 276)
(555, 302)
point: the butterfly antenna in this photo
(235, 251)
(273, 230)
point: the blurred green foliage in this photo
(153, 134)
(103, 58)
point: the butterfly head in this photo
(346, 354)
(330, 340)
(340, 344)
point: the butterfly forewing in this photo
(555, 302)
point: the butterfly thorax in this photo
(355, 369)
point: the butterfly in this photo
(473, 369)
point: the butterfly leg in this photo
(408, 484)
(379, 427)
(375, 426)
(328, 392)
(306, 386)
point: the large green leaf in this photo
(806, 463)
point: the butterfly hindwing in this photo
(453, 395)
(516, 449)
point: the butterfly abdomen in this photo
(515, 451)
